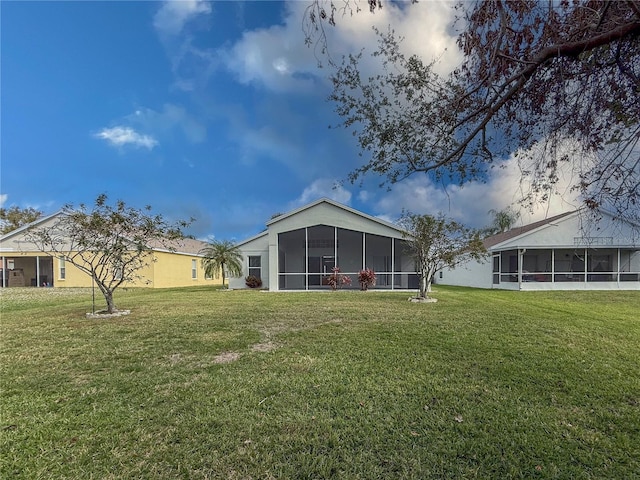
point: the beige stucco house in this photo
(23, 265)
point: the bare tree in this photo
(556, 82)
(111, 244)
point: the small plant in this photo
(367, 278)
(337, 279)
(253, 282)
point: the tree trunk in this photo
(108, 296)
(222, 269)
(425, 284)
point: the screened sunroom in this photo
(578, 265)
(578, 250)
(300, 249)
(307, 256)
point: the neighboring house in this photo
(571, 251)
(23, 265)
(299, 249)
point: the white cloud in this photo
(364, 196)
(176, 23)
(278, 59)
(323, 187)
(161, 123)
(120, 136)
(471, 203)
(170, 117)
(3, 199)
(191, 65)
(273, 59)
(173, 15)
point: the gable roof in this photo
(29, 225)
(335, 204)
(185, 245)
(494, 240)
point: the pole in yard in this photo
(93, 296)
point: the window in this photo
(255, 266)
(62, 272)
(194, 269)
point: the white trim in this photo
(335, 204)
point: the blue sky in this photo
(215, 111)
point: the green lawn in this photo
(201, 383)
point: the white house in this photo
(298, 250)
(571, 251)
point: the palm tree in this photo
(220, 256)
(503, 220)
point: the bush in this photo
(253, 282)
(366, 278)
(337, 279)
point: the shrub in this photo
(367, 278)
(337, 279)
(253, 282)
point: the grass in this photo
(199, 383)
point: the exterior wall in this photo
(472, 274)
(74, 277)
(172, 269)
(577, 230)
(256, 247)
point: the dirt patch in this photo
(226, 357)
(422, 300)
(104, 314)
(175, 358)
(263, 347)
